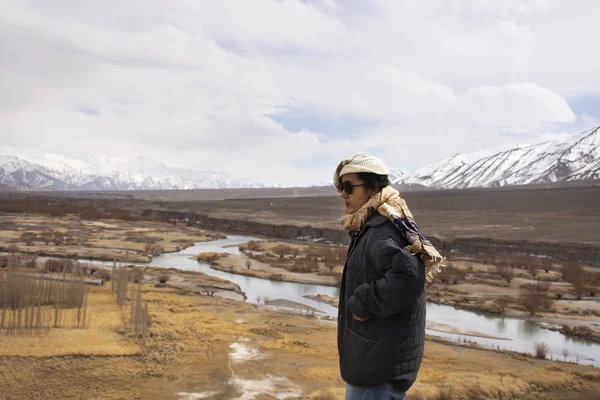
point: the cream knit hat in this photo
(358, 163)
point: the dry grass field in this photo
(200, 345)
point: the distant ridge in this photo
(575, 158)
(30, 169)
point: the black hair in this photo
(374, 181)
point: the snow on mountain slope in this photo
(31, 169)
(574, 158)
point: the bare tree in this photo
(505, 272)
(281, 250)
(541, 350)
(46, 237)
(532, 301)
(28, 238)
(58, 238)
(248, 264)
(153, 249)
(565, 353)
(294, 252)
(533, 270)
(502, 302)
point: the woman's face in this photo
(360, 195)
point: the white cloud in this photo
(202, 83)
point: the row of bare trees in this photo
(31, 303)
(138, 311)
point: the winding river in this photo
(516, 334)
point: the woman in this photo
(381, 318)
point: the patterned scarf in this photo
(389, 204)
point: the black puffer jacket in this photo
(384, 282)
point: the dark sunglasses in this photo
(348, 187)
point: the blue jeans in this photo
(381, 392)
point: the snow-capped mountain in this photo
(397, 174)
(30, 169)
(574, 158)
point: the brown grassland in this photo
(200, 344)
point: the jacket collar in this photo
(375, 219)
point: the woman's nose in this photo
(344, 194)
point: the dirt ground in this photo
(544, 214)
(223, 349)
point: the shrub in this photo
(248, 264)
(153, 249)
(541, 350)
(254, 245)
(58, 238)
(163, 278)
(104, 275)
(209, 257)
(505, 272)
(276, 277)
(451, 275)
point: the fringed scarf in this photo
(389, 204)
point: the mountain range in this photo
(574, 158)
(31, 169)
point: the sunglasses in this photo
(348, 187)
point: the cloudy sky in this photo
(280, 90)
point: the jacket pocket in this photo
(362, 338)
(360, 359)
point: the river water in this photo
(517, 335)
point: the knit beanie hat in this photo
(358, 163)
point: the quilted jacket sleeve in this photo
(400, 286)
